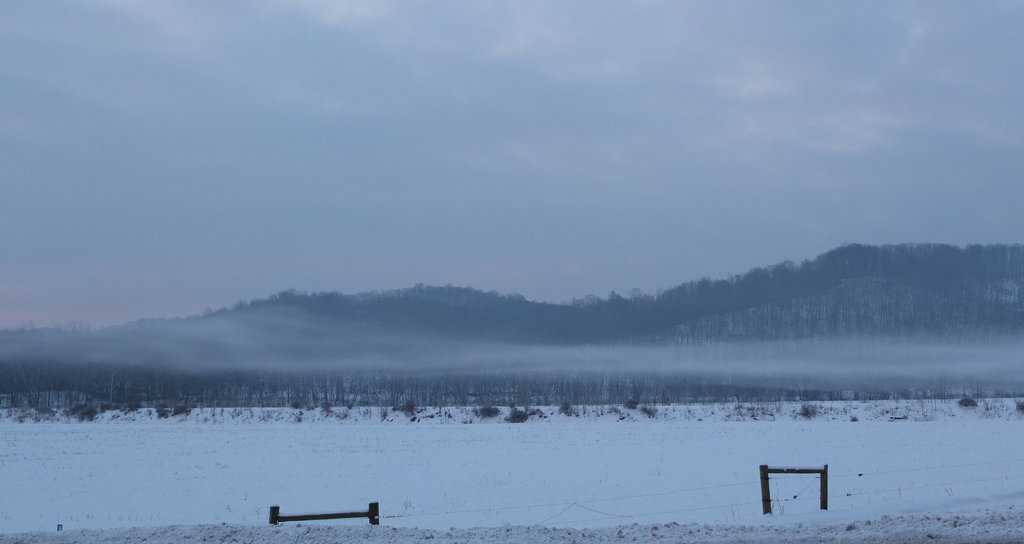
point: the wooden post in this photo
(824, 488)
(374, 513)
(275, 513)
(766, 496)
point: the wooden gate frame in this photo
(766, 496)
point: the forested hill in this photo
(436, 344)
(852, 291)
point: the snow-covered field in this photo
(899, 471)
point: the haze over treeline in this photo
(953, 315)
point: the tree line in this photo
(63, 386)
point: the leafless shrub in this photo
(808, 411)
(408, 408)
(163, 411)
(181, 410)
(131, 407)
(83, 412)
(487, 412)
(44, 411)
(517, 416)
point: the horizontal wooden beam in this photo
(373, 513)
(795, 470)
(311, 517)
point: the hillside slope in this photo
(852, 291)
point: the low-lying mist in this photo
(272, 351)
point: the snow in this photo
(898, 471)
(992, 527)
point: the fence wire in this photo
(836, 492)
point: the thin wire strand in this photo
(923, 469)
(590, 501)
(545, 520)
(608, 515)
(477, 510)
(927, 486)
(602, 513)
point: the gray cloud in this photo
(161, 157)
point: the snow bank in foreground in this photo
(1002, 526)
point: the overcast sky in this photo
(158, 158)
